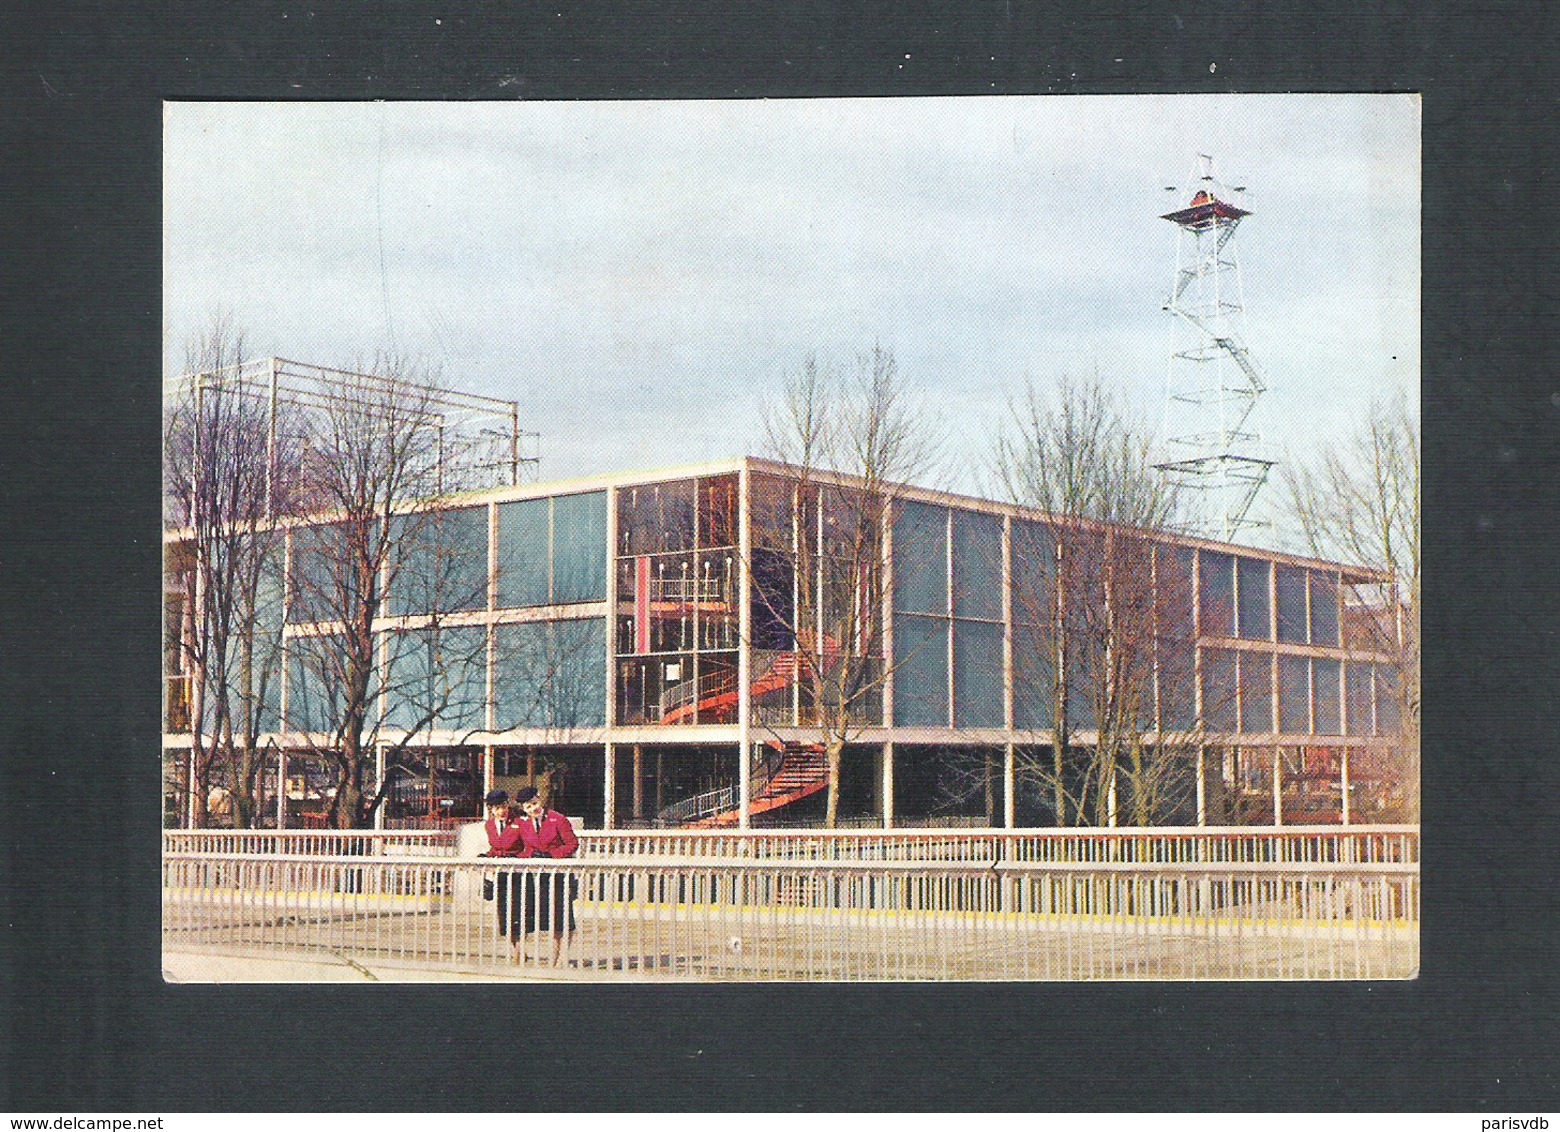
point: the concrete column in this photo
(744, 781)
(609, 788)
(379, 781)
(281, 788)
(888, 786)
(639, 781)
(1278, 786)
(1008, 778)
(1343, 781)
(744, 651)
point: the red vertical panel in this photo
(641, 605)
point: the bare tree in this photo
(851, 437)
(230, 467)
(376, 584)
(1094, 601)
(1359, 502)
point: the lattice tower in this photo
(1212, 383)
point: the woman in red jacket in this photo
(549, 897)
(503, 841)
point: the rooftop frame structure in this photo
(479, 441)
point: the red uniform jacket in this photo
(503, 841)
(555, 838)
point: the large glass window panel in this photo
(579, 547)
(1324, 608)
(718, 511)
(441, 562)
(521, 673)
(1359, 721)
(1388, 715)
(851, 524)
(1325, 678)
(771, 508)
(718, 693)
(1173, 582)
(1082, 686)
(920, 559)
(549, 674)
(774, 600)
(1290, 586)
(578, 698)
(1216, 580)
(1255, 622)
(977, 565)
(314, 686)
(718, 573)
(1034, 573)
(523, 553)
(1034, 686)
(921, 675)
(1256, 693)
(658, 517)
(1177, 683)
(977, 674)
(1294, 695)
(324, 580)
(673, 598)
(1218, 690)
(436, 678)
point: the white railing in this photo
(777, 920)
(1381, 844)
(700, 806)
(1191, 845)
(313, 842)
(711, 683)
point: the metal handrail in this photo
(714, 919)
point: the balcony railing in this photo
(782, 920)
(1382, 844)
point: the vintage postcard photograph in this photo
(792, 540)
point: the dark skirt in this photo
(549, 902)
(533, 901)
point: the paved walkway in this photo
(245, 967)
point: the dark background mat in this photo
(85, 1020)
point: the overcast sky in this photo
(638, 274)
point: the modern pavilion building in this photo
(639, 643)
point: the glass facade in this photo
(986, 610)
(436, 678)
(1294, 694)
(920, 671)
(1216, 583)
(442, 562)
(552, 551)
(977, 674)
(1253, 578)
(1256, 693)
(1324, 609)
(1289, 584)
(677, 584)
(1219, 682)
(1326, 677)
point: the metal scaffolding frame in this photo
(1212, 383)
(480, 443)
